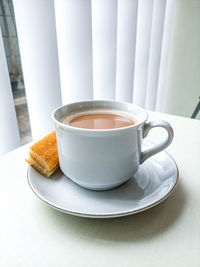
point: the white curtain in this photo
(75, 50)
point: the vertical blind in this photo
(104, 41)
(75, 50)
(35, 21)
(74, 35)
(126, 42)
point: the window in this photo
(9, 34)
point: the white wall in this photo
(183, 77)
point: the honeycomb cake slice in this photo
(43, 155)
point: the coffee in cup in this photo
(99, 118)
(97, 153)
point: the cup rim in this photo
(77, 129)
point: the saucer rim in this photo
(107, 216)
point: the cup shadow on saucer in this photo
(137, 227)
(155, 178)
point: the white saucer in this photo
(155, 181)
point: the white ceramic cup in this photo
(104, 159)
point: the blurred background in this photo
(182, 83)
(183, 72)
(11, 46)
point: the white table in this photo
(34, 234)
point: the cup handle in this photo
(159, 147)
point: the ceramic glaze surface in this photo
(99, 162)
(104, 159)
(152, 183)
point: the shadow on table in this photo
(137, 227)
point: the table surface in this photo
(34, 234)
